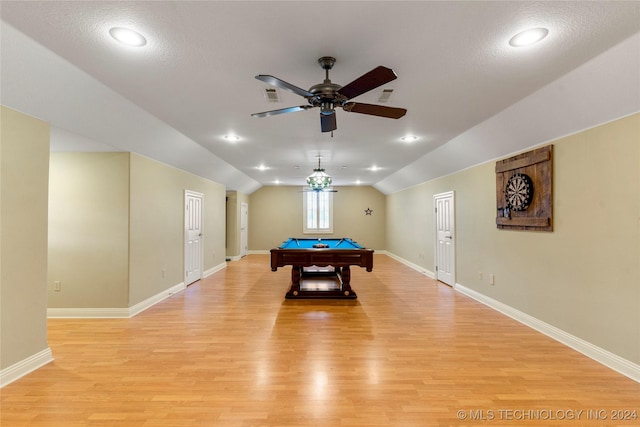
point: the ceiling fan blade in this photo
(274, 81)
(371, 80)
(375, 110)
(281, 111)
(328, 122)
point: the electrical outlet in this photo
(492, 279)
(57, 286)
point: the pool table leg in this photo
(345, 276)
(296, 274)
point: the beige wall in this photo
(89, 230)
(275, 214)
(584, 277)
(157, 225)
(117, 227)
(24, 174)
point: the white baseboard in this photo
(99, 313)
(87, 313)
(416, 267)
(155, 299)
(24, 367)
(600, 355)
(215, 269)
(606, 358)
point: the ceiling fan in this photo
(328, 95)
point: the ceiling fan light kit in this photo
(328, 95)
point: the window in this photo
(318, 212)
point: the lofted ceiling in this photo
(177, 97)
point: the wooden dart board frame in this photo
(524, 193)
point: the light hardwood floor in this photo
(231, 351)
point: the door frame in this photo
(187, 195)
(452, 218)
(244, 228)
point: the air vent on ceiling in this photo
(385, 95)
(271, 95)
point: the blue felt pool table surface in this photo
(308, 243)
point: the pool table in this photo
(307, 256)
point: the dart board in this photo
(519, 192)
(524, 194)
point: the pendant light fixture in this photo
(319, 180)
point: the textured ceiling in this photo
(175, 98)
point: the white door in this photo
(445, 252)
(193, 248)
(244, 220)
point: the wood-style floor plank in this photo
(231, 351)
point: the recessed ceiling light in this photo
(528, 37)
(127, 36)
(409, 138)
(262, 168)
(374, 168)
(231, 138)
